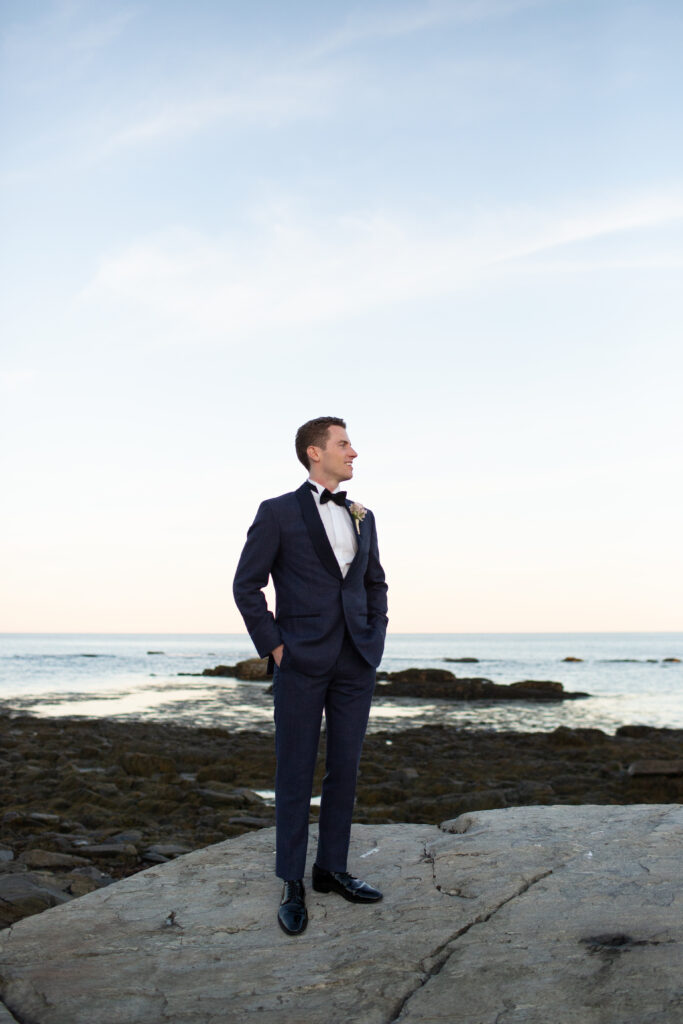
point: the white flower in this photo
(358, 512)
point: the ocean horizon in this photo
(154, 676)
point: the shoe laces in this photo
(293, 890)
(345, 877)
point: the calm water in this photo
(138, 676)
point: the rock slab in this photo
(512, 916)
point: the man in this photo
(325, 641)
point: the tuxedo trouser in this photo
(344, 693)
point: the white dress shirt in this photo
(338, 527)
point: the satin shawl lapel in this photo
(361, 538)
(316, 530)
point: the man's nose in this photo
(353, 453)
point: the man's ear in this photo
(313, 453)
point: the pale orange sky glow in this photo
(458, 226)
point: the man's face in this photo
(335, 460)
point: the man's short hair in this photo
(315, 433)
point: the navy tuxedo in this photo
(314, 603)
(333, 629)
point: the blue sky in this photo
(457, 224)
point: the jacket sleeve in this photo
(253, 570)
(375, 585)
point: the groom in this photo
(325, 640)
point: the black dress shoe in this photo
(352, 889)
(292, 916)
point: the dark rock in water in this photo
(539, 686)
(677, 660)
(635, 661)
(428, 684)
(462, 661)
(418, 675)
(439, 684)
(252, 669)
(155, 652)
(572, 659)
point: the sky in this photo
(457, 224)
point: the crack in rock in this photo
(455, 892)
(430, 858)
(508, 1007)
(443, 952)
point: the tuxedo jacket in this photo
(314, 604)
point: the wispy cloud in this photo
(600, 220)
(288, 271)
(268, 100)
(260, 102)
(366, 26)
(63, 43)
(304, 84)
(300, 83)
(92, 36)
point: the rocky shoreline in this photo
(88, 801)
(440, 684)
(424, 683)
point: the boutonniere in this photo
(359, 513)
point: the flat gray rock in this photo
(528, 915)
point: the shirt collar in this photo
(319, 487)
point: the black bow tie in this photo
(339, 498)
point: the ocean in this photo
(140, 676)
